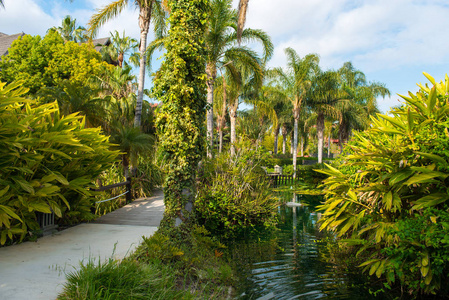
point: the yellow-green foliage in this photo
(47, 62)
(47, 162)
(390, 196)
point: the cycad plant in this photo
(389, 197)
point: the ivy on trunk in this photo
(181, 86)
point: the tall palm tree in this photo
(296, 81)
(222, 47)
(147, 9)
(324, 94)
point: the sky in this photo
(391, 41)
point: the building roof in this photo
(98, 43)
(6, 41)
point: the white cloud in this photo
(373, 34)
(24, 16)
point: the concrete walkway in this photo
(36, 270)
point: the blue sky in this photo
(391, 41)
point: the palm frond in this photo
(105, 14)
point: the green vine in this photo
(181, 86)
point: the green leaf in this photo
(374, 268)
(3, 191)
(25, 185)
(430, 200)
(421, 178)
(9, 212)
(433, 157)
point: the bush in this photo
(47, 163)
(234, 195)
(389, 198)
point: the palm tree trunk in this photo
(211, 72)
(302, 146)
(222, 117)
(284, 138)
(220, 140)
(276, 137)
(125, 163)
(233, 117)
(295, 145)
(144, 23)
(320, 134)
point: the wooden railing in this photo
(277, 180)
(47, 221)
(128, 194)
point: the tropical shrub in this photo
(49, 61)
(234, 194)
(47, 163)
(389, 198)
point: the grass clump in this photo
(127, 279)
(176, 263)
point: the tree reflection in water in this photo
(289, 263)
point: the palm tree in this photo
(296, 81)
(263, 108)
(283, 112)
(324, 94)
(355, 115)
(222, 47)
(147, 9)
(119, 47)
(116, 82)
(69, 31)
(73, 98)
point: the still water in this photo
(290, 263)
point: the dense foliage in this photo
(180, 85)
(234, 194)
(48, 61)
(47, 162)
(389, 197)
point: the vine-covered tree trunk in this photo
(233, 117)
(181, 86)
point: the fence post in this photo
(129, 195)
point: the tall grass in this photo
(121, 280)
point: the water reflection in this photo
(289, 264)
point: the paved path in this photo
(36, 270)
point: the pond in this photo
(290, 263)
